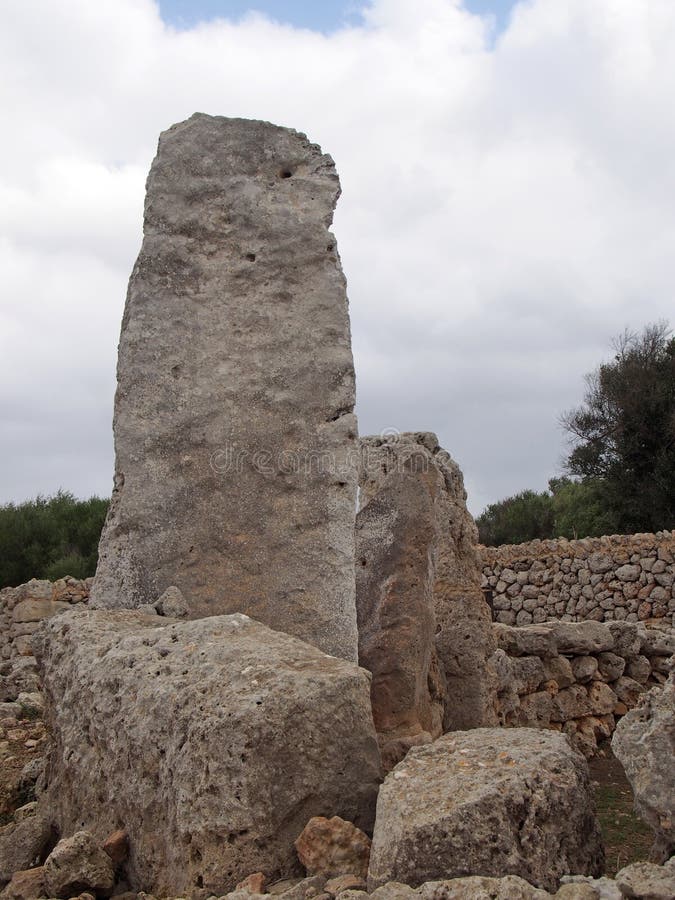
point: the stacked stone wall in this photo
(579, 678)
(22, 609)
(621, 577)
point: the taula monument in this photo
(264, 678)
(236, 447)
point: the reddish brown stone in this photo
(333, 847)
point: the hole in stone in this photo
(329, 248)
(250, 257)
(438, 629)
(286, 173)
(175, 371)
(200, 881)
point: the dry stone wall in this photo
(22, 609)
(622, 577)
(579, 677)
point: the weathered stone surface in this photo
(22, 845)
(78, 864)
(647, 881)
(397, 537)
(464, 641)
(337, 886)
(582, 637)
(26, 885)
(333, 847)
(236, 471)
(530, 640)
(487, 802)
(644, 743)
(214, 741)
(475, 887)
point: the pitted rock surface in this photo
(416, 587)
(213, 741)
(235, 438)
(487, 802)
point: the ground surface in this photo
(626, 837)
(21, 740)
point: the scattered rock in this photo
(486, 802)
(647, 881)
(173, 604)
(78, 864)
(337, 886)
(254, 884)
(116, 845)
(333, 847)
(26, 885)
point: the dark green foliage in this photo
(623, 434)
(50, 537)
(524, 517)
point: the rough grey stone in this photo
(487, 802)
(236, 465)
(22, 845)
(213, 741)
(646, 881)
(644, 743)
(398, 533)
(78, 864)
(582, 637)
(531, 640)
(464, 641)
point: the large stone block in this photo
(418, 581)
(211, 742)
(236, 462)
(487, 802)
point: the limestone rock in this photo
(487, 802)
(22, 845)
(172, 603)
(397, 538)
(464, 641)
(337, 886)
(78, 864)
(214, 741)
(530, 640)
(582, 637)
(475, 887)
(333, 847)
(26, 885)
(644, 743)
(236, 466)
(647, 881)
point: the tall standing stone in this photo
(236, 470)
(424, 626)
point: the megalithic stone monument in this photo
(236, 444)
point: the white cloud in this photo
(506, 209)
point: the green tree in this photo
(516, 519)
(50, 537)
(579, 510)
(623, 434)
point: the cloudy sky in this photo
(508, 173)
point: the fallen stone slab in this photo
(212, 742)
(236, 456)
(487, 802)
(644, 743)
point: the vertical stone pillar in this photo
(424, 627)
(235, 438)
